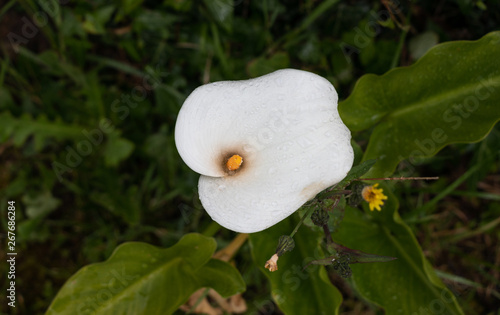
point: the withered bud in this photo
(272, 263)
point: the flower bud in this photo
(341, 266)
(356, 197)
(320, 217)
(285, 244)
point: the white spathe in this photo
(286, 127)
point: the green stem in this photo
(308, 213)
(328, 235)
(402, 38)
(327, 194)
(340, 192)
(395, 59)
(426, 208)
(212, 229)
(310, 19)
(6, 7)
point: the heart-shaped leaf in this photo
(140, 278)
(407, 285)
(449, 95)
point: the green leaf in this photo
(6, 100)
(53, 64)
(19, 129)
(126, 205)
(421, 43)
(179, 5)
(140, 278)
(95, 22)
(221, 11)
(310, 52)
(118, 65)
(262, 65)
(377, 56)
(356, 172)
(407, 285)
(128, 6)
(32, 230)
(449, 95)
(117, 149)
(222, 277)
(294, 290)
(40, 205)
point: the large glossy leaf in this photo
(407, 285)
(140, 278)
(452, 94)
(296, 291)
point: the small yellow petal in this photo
(374, 196)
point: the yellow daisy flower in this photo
(373, 196)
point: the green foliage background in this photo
(117, 72)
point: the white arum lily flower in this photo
(263, 146)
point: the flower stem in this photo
(328, 235)
(230, 250)
(308, 213)
(341, 192)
